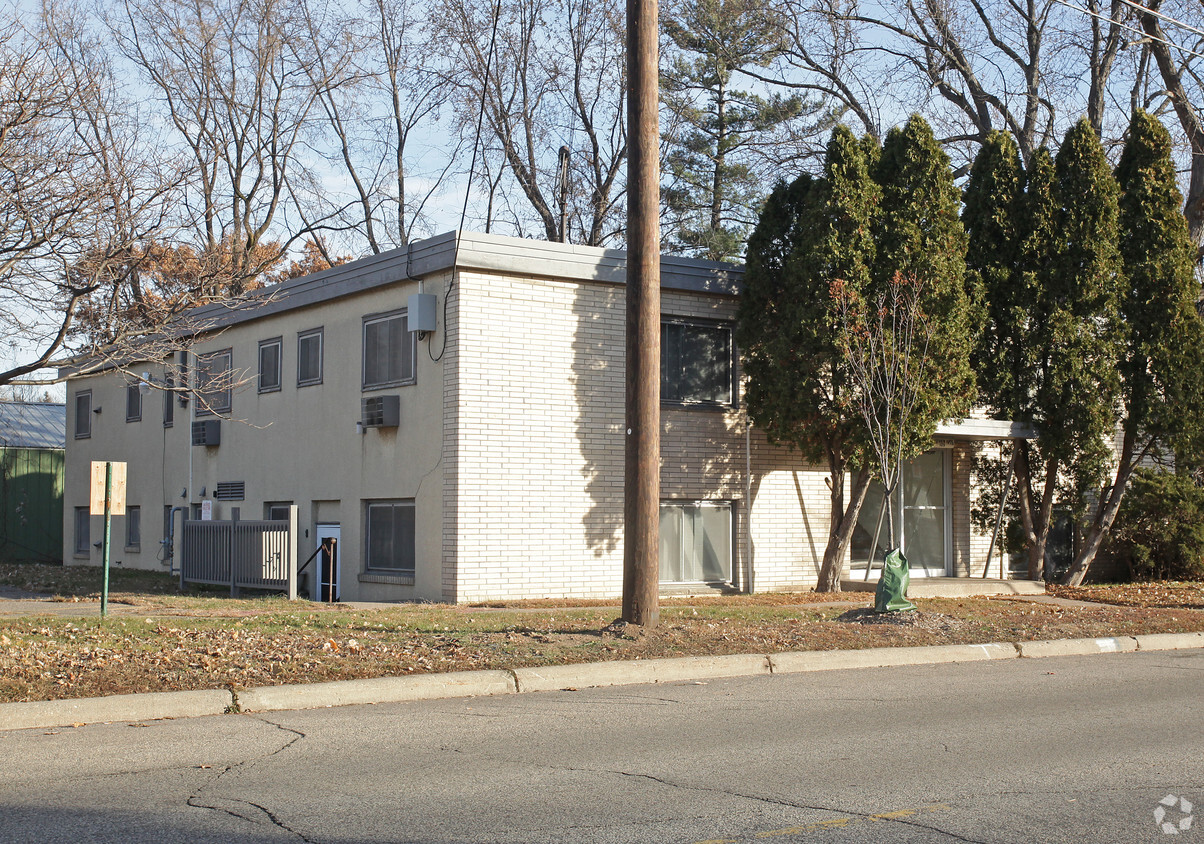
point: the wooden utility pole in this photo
(641, 485)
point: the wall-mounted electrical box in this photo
(421, 311)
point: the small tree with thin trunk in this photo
(885, 341)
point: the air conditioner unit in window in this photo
(207, 432)
(381, 412)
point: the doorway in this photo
(327, 576)
(922, 518)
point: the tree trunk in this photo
(841, 525)
(1105, 515)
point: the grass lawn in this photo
(160, 640)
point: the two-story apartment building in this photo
(467, 443)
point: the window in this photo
(309, 358)
(83, 414)
(924, 529)
(133, 402)
(696, 363)
(276, 511)
(213, 381)
(83, 541)
(388, 351)
(133, 527)
(269, 365)
(391, 536)
(169, 400)
(696, 542)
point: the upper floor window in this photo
(83, 414)
(133, 402)
(214, 382)
(269, 365)
(388, 350)
(697, 362)
(309, 357)
(169, 399)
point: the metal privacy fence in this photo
(242, 554)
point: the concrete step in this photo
(952, 587)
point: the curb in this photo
(157, 705)
(553, 677)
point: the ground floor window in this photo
(133, 527)
(276, 511)
(922, 510)
(390, 532)
(83, 541)
(696, 541)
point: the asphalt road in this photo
(1029, 750)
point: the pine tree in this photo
(717, 133)
(920, 237)
(1161, 368)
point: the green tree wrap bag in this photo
(891, 594)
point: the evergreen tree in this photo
(811, 233)
(717, 134)
(1161, 368)
(920, 238)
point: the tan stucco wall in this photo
(298, 444)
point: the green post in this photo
(104, 551)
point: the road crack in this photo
(231, 805)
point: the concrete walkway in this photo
(952, 587)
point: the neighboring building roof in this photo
(33, 425)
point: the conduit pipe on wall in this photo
(748, 560)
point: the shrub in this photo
(1159, 531)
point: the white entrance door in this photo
(327, 574)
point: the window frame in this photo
(269, 506)
(169, 397)
(302, 336)
(204, 407)
(133, 528)
(394, 504)
(82, 539)
(373, 319)
(83, 431)
(133, 398)
(729, 326)
(278, 342)
(679, 505)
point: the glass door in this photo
(922, 515)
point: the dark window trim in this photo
(83, 432)
(83, 549)
(733, 358)
(169, 398)
(278, 342)
(320, 333)
(199, 361)
(133, 542)
(401, 382)
(130, 391)
(369, 503)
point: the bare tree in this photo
(79, 190)
(555, 78)
(238, 83)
